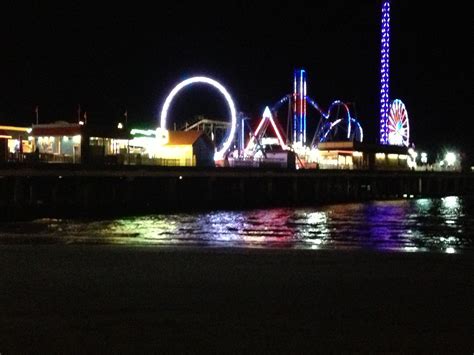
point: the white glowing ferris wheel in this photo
(398, 125)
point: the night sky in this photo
(114, 58)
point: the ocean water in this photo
(415, 225)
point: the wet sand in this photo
(121, 299)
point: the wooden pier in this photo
(79, 191)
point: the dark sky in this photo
(116, 57)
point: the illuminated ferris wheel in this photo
(398, 125)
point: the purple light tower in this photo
(385, 73)
(299, 107)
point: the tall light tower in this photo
(299, 107)
(385, 73)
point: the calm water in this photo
(440, 225)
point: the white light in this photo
(395, 138)
(120, 125)
(81, 123)
(450, 250)
(144, 132)
(267, 114)
(412, 153)
(76, 139)
(204, 80)
(162, 136)
(450, 158)
(424, 158)
(450, 202)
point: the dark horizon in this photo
(110, 60)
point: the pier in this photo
(84, 191)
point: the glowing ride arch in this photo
(204, 80)
(326, 126)
(267, 115)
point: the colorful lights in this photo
(325, 128)
(398, 126)
(385, 73)
(334, 104)
(299, 109)
(204, 80)
(267, 115)
(361, 131)
(295, 114)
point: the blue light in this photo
(295, 118)
(299, 108)
(385, 73)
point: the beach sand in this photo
(127, 299)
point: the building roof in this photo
(72, 129)
(13, 131)
(185, 137)
(56, 129)
(363, 147)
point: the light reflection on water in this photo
(444, 225)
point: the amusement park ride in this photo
(329, 127)
(335, 124)
(394, 125)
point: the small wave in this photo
(444, 225)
